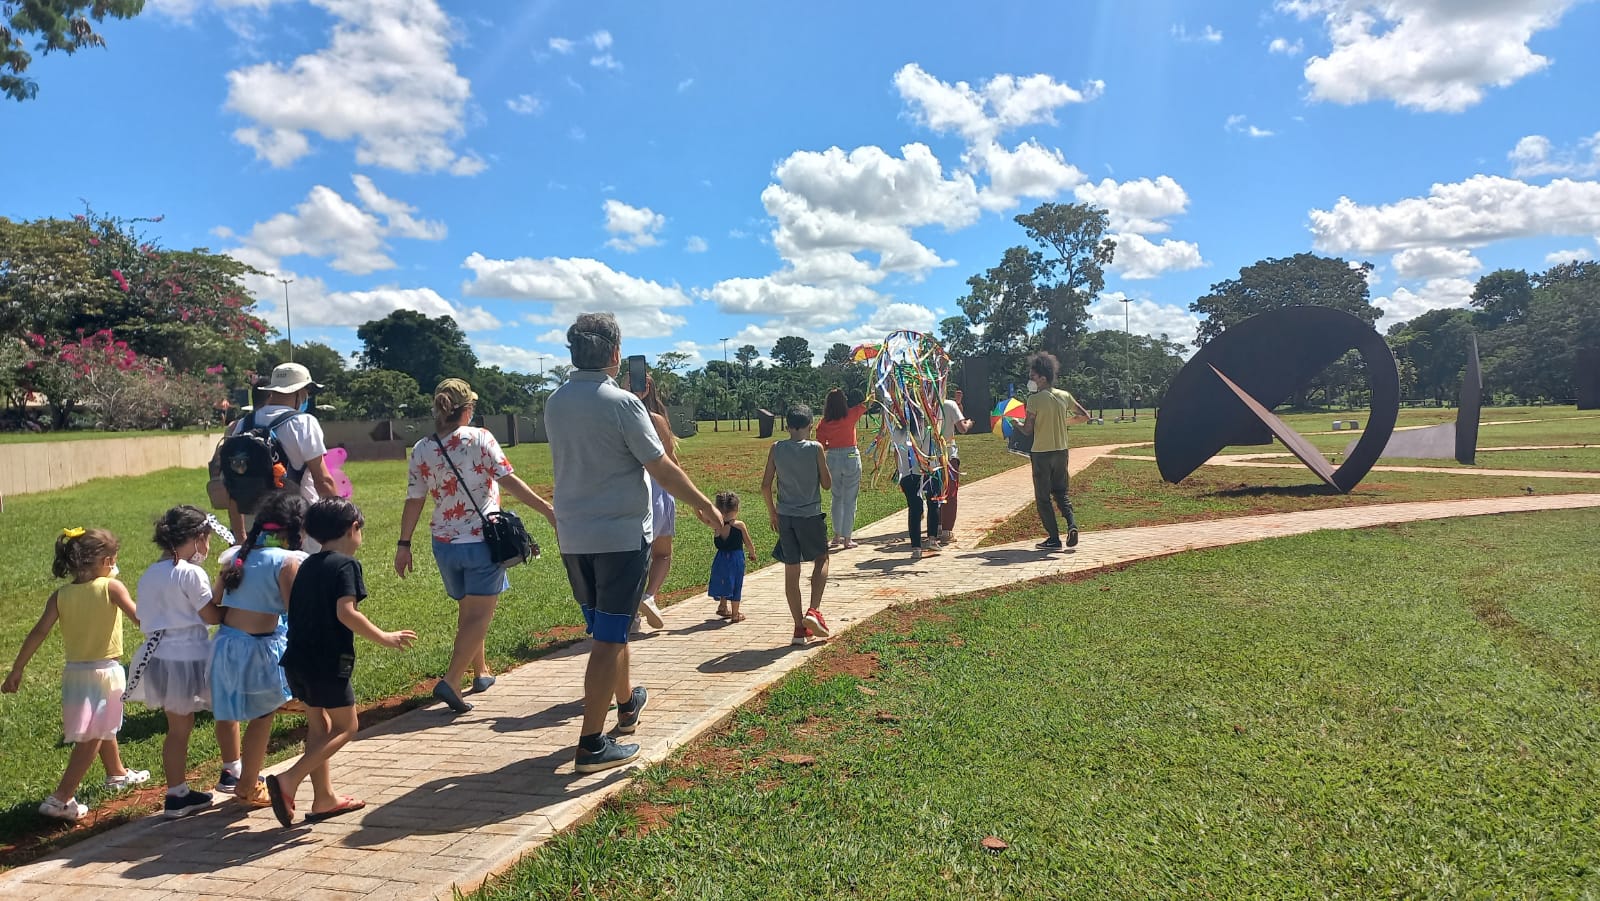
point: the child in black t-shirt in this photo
(321, 656)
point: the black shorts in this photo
(607, 588)
(801, 539)
(320, 690)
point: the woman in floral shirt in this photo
(470, 577)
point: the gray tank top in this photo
(799, 485)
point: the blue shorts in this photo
(608, 588)
(467, 569)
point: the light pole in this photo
(1127, 356)
(288, 321)
(727, 382)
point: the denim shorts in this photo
(466, 569)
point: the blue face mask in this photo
(305, 405)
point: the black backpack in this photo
(247, 464)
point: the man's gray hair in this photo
(593, 338)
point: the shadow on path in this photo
(746, 660)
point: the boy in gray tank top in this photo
(800, 468)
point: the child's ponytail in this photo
(79, 550)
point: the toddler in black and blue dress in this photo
(727, 567)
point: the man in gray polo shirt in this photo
(602, 443)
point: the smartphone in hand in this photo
(637, 371)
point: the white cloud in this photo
(325, 224)
(1139, 258)
(696, 244)
(312, 304)
(1534, 156)
(1432, 55)
(513, 358)
(525, 105)
(563, 45)
(632, 227)
(795, 305)
(1137, 206)
(1287, 47)
(578, 285)
(385, 81)
(980, 114)
(605, 61)
(1434, 262)
(1237, 124)
(1029, 171)
(600, 40)
(685, 85)
(1434, 294)
(1206, 35)
(885, 318)
(1471, 213)
(1569, 256)
(1143, 317)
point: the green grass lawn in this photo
(538, 610)
(1401, 711)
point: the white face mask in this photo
(115, 570)
(1033, 386)
(198, 557)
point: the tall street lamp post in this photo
(288, 321)
(727, 381)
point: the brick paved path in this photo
(455, 799)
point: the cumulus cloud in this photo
(385, 81)
(578, 285)
(312, 304)
(1437, 293)
(1434, 262)
(794, 304)
(1140, 205)
(1143, 317)
(1238, 125)
(1432, 55)
(1286, 47)
(514, 358)
(632, 227)
(1535, 156)
(696, 244)
(1004, 102)
(1139, 258)
(1578, 255)
(325, 224)
(883, 319)
(525, 105)
(1471, 213)
(1206, 35)
(1027, 171)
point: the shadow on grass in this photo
(1277, 491)
(746, 660)
(460, 803)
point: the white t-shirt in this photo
(478, 456)
(904, 458)
(170, 595)
(302, 441)
(949, 415)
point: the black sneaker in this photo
(610, 755)
(446, 692)
(227, 783)
(627, 722)
(1072, 537)
(190, 803)
(1049, 544)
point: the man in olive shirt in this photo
(1049, 409)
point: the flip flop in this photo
(282, 805)
(346, 804)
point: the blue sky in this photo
(713, 170)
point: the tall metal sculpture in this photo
(1226, 392)
(1588, 378)
(1457, 439)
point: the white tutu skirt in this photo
(246, 680)
(91, 700)
(172, 671)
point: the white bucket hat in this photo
(290, 378)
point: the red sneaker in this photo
(817, 625)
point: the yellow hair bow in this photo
(72, 533)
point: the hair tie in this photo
(238, 562)
(221, 530)
(271, 527)
(72, 533)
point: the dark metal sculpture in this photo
(1457, 439)
(1588, 378)
(978, 398)
(1225, 394)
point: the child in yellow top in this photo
(90, 611)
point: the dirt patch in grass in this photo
(713, 761)
(1560, 660)
(846, 661)
(650, 817)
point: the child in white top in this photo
(172, 669)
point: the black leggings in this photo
(915, 487)
(1050, 485)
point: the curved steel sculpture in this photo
(1226, 392)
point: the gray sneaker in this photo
(627, 722)
(609, 756)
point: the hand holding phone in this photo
(637, 372)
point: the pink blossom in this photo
(122, 282)
(79, 217)
(215, 370)
(94, 242)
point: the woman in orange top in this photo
(837, 433)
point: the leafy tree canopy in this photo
(428, 350)
(62, 26)
(1303, 280)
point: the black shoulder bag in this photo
(503, 532)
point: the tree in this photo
(503, 392)
(1502, 297)
(792, 353)
(385, 394)
(672, 361)
(326, 364)
(61, 26)
(839, 354)
(747, 356)
(428, 350)
(957, 337)
(1435, 344)
(1303, 280)
(1076, 274)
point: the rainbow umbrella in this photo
(864, 352)
(1011, 407)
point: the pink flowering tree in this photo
(101, 376)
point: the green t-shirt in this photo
(1050, 410)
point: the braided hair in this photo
(179, 526)
(281, 517)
